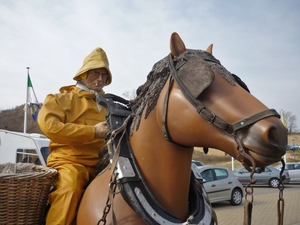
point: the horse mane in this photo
(148, 93)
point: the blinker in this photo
(196, 75)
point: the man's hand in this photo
(100, 130)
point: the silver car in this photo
(294, 170)
(270, 176)
(221, 185)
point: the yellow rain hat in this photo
(96, 59)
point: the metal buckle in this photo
(212, 119)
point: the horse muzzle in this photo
(264, 141)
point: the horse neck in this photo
(165, 166)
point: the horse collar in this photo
(133, 187)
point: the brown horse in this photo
(199, 103)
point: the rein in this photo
(229, 128)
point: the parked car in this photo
(221, 185)
(293, 147)
(294, 170)
(197, 163)
(270, 176)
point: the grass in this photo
(219, 158)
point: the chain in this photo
(113, 184)
(280, 202)
(248, 189)
(112, 189)
(249, 200)
(249, 193)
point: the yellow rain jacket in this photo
(68, 120)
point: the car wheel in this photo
(274, 182)
(236, 197)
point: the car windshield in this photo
(197, 163)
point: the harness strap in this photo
(114, 160)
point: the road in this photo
(264, 207)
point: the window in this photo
(267, 169)
(296, 166)
(27, 156)
(197, 163)
(207, 175)
(221, 174)
(244, 170)
(45, 153)
(289, 166)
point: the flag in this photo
(283, 118)
(34, 105)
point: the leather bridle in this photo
(211, 117)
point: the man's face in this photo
(96, 79)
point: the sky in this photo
(258, 40)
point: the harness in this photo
(130, 181)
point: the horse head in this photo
(207, 106)
(238, 123)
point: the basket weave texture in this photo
(24, 190)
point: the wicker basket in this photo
(24, 190)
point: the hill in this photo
(13, 119)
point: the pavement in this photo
(264, 210)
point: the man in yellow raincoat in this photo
(76, 126)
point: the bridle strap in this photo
(253, 119)
(165, 129)
(165, 110)
(211, 117)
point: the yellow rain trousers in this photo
(68, 120)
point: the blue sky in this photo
(257, 40)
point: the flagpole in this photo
(26, 106)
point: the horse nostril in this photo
(277, 137)
(273, 136)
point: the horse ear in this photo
(209, 48)
(177, 46)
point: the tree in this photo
(130, 94)
(291, 121)
(13, 120)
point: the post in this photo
(26, 105)
(294, 148)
